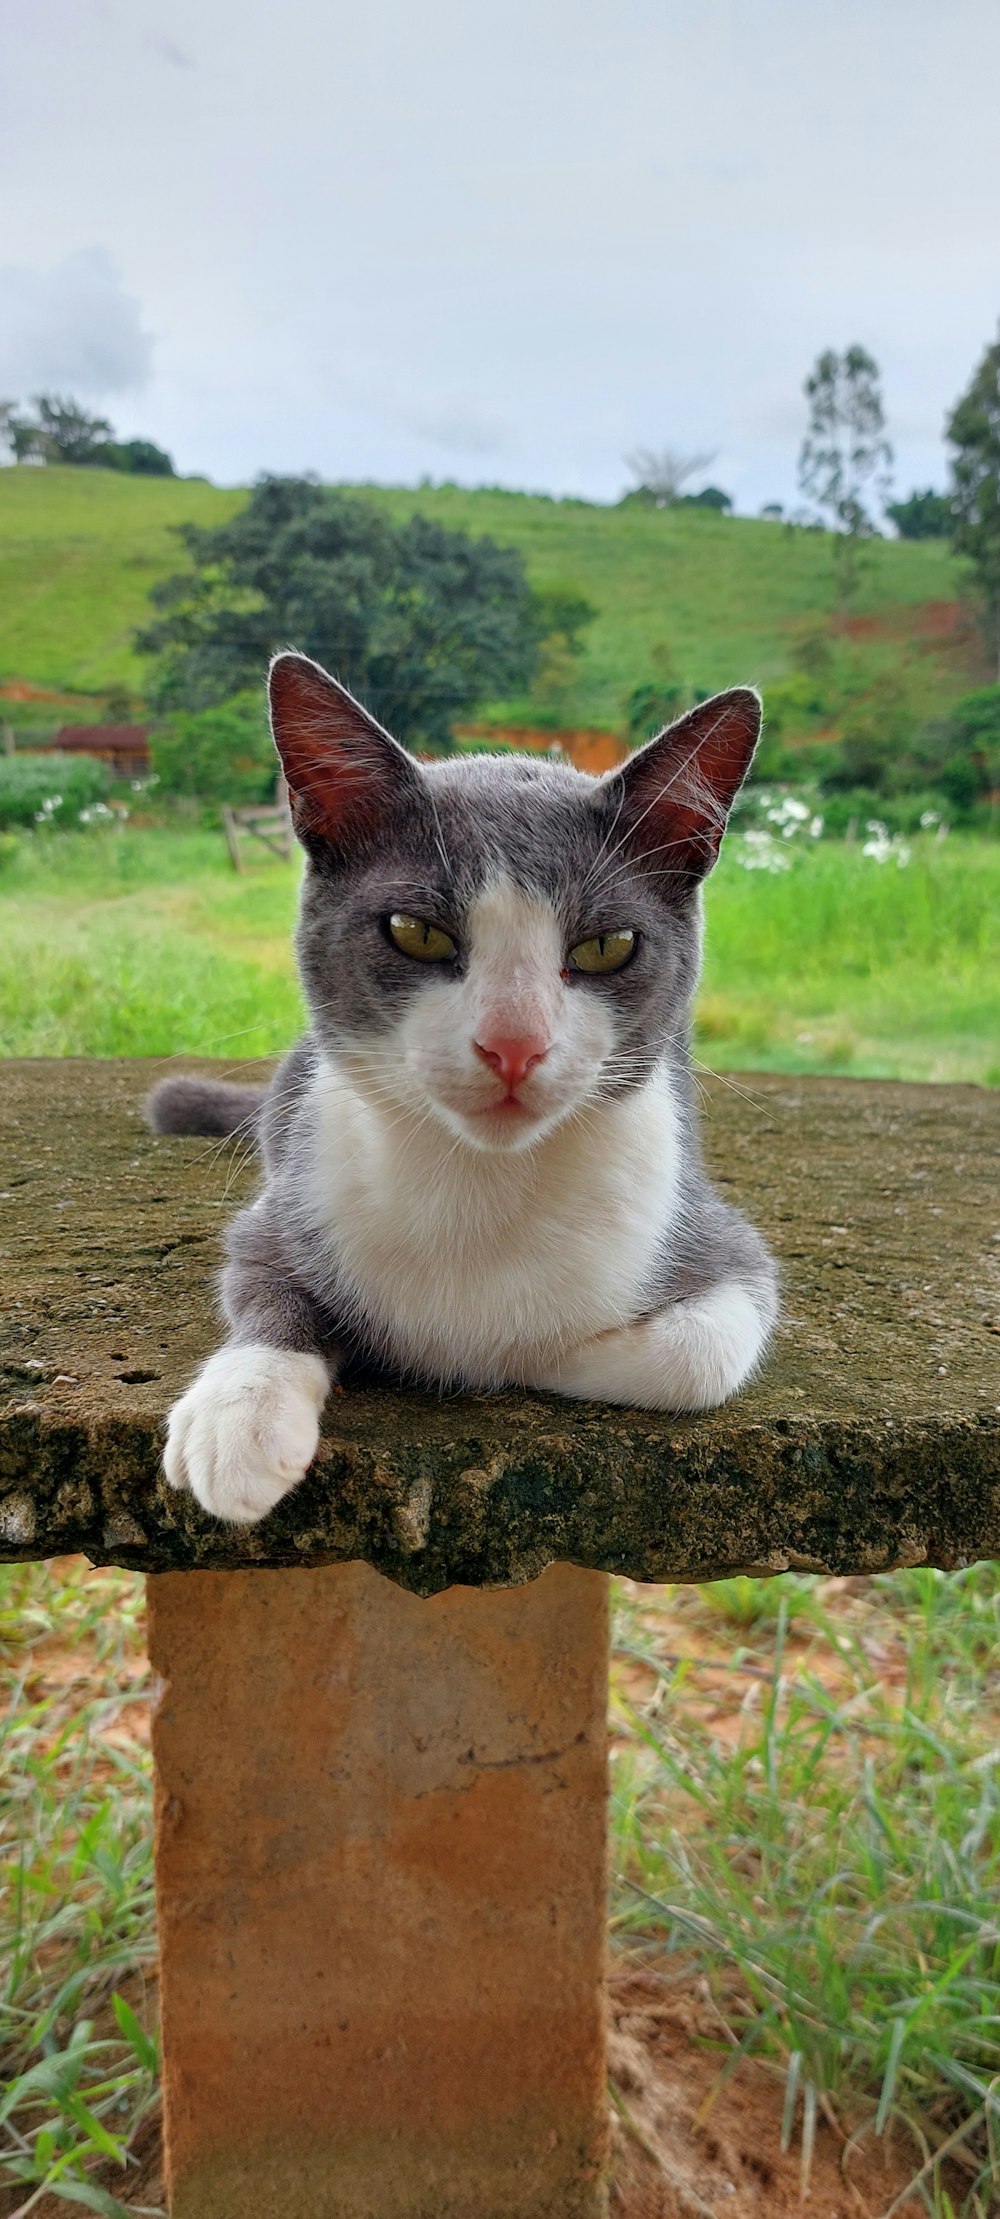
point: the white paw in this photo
(691, 1356)
(247, 1430)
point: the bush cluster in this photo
(222, 754)
(40, 789)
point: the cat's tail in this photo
(210, 1106)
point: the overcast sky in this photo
(503, 243)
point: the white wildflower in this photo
(884, 845)
(757, 851)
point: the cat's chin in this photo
(504, 1130)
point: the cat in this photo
(481, 1164)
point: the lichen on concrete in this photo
(871, 1439)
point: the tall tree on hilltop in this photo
(661, 473)
(845, 457)
(973, 429)
(421, 623)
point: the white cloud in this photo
(512, 241)
(168, 50)
(71, 329)
(458, 427)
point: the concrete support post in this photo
(381, 1879)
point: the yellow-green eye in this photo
(427, 942)
(610, 951)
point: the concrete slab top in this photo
(872, 1439)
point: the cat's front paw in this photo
(247, 1430)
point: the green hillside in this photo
(79, 550)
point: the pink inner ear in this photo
(682, 786)
(340, 766)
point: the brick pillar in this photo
(381, 1878)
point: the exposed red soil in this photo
(947, 628)
(20, 689)
(686, 2147)
(587, 749)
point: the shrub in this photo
(49, 788)
(923, 516)
(223, 754)
(916, 812)
(649, 707)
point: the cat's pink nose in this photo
(512, 1059)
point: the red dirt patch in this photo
(19, 689)
(685, 2148)
(932, 627)
(587, 749)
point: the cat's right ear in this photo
(342, 770)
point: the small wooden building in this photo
(124, 747)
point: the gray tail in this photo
(192, 1105)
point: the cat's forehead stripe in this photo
(513, 926)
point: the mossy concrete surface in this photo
(871, 1440)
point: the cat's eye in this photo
(414, 936)
(608, 951)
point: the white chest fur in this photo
(479, 1267)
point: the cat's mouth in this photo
(506, 1122)
(507, 1103)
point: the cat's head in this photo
(500, 941)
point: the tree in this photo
(62, 432)
(220, 754)
(661, 473)
(971, 768)
(710, 497)
(845, 456)
(561, 616)
(421, 623)
(66, 433)
(973, 430)
(563, 612)
(923, 516)
(651, 706)
(139, 457)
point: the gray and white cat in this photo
(481, 1164)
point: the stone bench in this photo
(380, 1789)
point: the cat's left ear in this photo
(678, 790)
(343, 771)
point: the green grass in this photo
(78, 2055)
(79, 550)
(126, 941)
(142, 941)
(846, 964)
(805, 1816)
(832, 1867)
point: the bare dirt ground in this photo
(689, 2147)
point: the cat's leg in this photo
(690, 1355)
(247, 1429)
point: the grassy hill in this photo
(79, 550)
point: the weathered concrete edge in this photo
(465, 1509)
